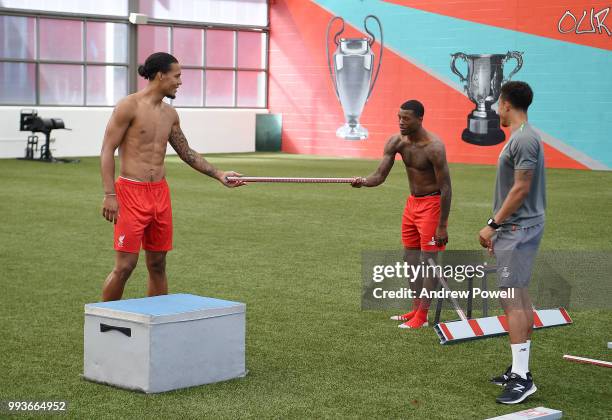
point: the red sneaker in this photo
(418, 320)
(405, 317)
(408, 316)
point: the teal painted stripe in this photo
(572, 83)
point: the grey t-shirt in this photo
(524, 150)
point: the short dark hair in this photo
(414, 106)
(156, 62)
(519, 94)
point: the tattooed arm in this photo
(380, 174)
(192, 158)
(189, 156)
(437, 156)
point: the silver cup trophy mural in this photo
(351, 74)
(485, 76)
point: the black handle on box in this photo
(122, 330)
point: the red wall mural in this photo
(301, 90)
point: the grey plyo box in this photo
(163, 343)
(539, 413)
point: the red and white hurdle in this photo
(470, 329)
(473, 328)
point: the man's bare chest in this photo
(415, 157)
(151, 130)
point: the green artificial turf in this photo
(292, 253)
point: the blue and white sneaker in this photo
(517, 389)
(503, 378)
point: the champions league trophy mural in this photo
(353, 62)
(485, 76)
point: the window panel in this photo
(236, 12)
(251, 50)
(61, 39)
(61, 84)
(17, 37)
(106, 7)
(106, 84)
(219, 48)
(190, 92)
(187, 46)
(219, 88)
(107, 42)
(251, 89)
(17, 83)
(152, 39)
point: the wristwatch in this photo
(491, 222)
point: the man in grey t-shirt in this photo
(514, 232)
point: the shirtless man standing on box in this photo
(138, 202)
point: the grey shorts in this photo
(515, 252)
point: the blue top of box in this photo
(160, 306)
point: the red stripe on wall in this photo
(301, 90)
(534, 17)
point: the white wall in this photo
(207, 130)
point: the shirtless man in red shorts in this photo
(425, 217)
(138, 202)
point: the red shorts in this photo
(145, 216)
(419, 223)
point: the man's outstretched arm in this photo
(179, 143)
(380, 175)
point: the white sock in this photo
(520, 358)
